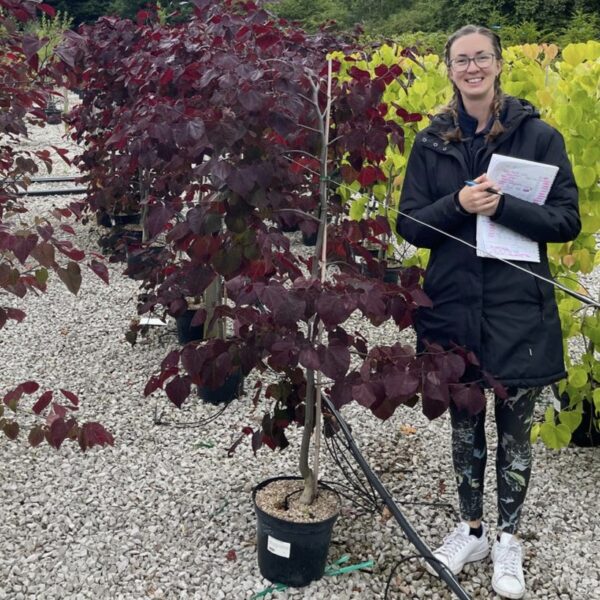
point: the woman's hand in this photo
(477, 200)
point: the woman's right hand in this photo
(476, 200)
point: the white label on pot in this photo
(278, 547)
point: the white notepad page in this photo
(525, 179)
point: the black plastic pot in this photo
(103, 219)
(291, 553)
(309, 239)
(226, 393)
(53, 116)
(392, 274)
(185, 331)
(119, 220)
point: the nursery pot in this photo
(103, 218)
(225, 393)
(291, 553)
(121, 219)
(391, 274)
(53, 116)
(310, 239)
(186, 332)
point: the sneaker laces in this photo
(453, 543)
(509, 559)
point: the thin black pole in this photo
(444, 573)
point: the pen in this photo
(471, 183)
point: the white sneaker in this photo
(460, 548)
(507, 556)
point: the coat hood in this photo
(515, 111)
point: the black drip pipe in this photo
(444, 573)
(60, 179)
(56, 192)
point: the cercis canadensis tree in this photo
(31, 248)
(239, 130)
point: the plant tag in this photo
(151, 321)
(278, 547)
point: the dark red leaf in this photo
(11, 398)
(420, 298)
(364, 394)
(267, 40)
(22, 246)
(468, 397)
(166, 77)
(335, 359)
(67, 249)
(15, 314)
(71, 396)
(400, 382)
(231, 555)
(43, 402)
(309, 358)
(178, 389)
(58, 410)
(57, 433)
(49, 10)
(158, 216)
(94, 434)
(152, 385)
(100, 269)
(192, 360)
(62, 153)
(29, 387)
(67, 228)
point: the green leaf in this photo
(555, 436)
(571, 418)
(11, 430)
(578, 377)
(535, 432)
(596, 397)
(573, 54)
(41, 276)
(585, 176)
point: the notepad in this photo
(527, 180)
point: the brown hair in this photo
(454, 135)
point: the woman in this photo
(507, 317)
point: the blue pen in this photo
(471, 183)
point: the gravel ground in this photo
(158, 515)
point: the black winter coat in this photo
(508, 318)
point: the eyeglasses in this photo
(483, 61)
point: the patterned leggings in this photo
(513, 458)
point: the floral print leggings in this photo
(514, 418)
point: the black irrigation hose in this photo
(444, 573)
(189, 424)
(56, 192)
(356, 485)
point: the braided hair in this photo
(454, 135)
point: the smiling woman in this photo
(507, 317)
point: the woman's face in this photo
(474, 80)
